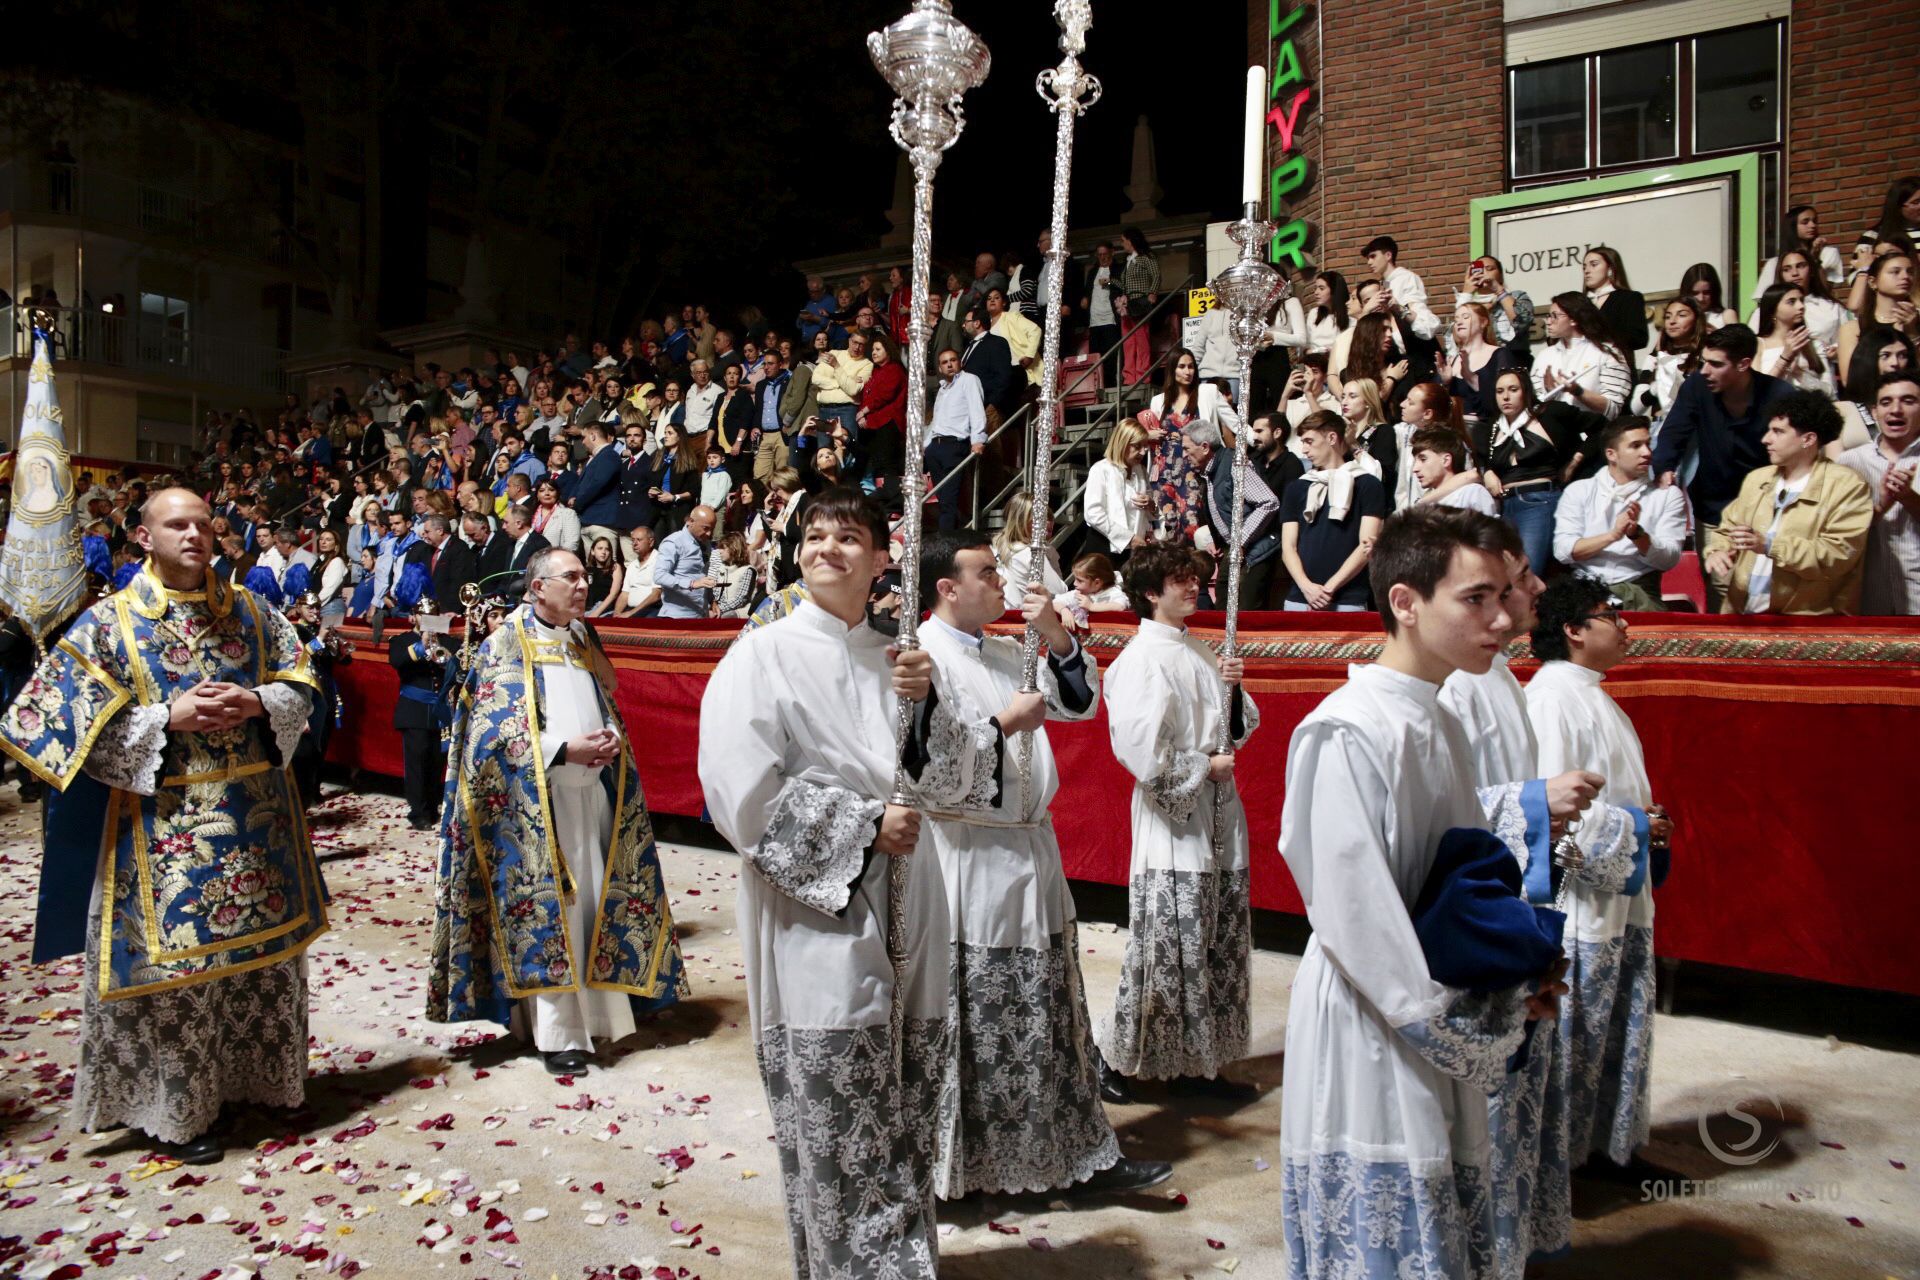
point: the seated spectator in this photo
(1794, 539)
(1700, 285)
(1622, 309)
(1096, 587)
(1438, 456)
(1824, 315)
(1476, 364)
(1801, 234)
(1788, 350)
(1675, 354)
(1013, 550)
(1890, 584)
(1427, 406)
(1618, 526)
(1306, 390)
(640, 598)
(1329, 519)
(731, 568)
(604, 579)
(1879, 351)
(1524, 459)
(1888, 302)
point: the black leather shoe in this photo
(1122, 1176)
(205, 1149)
(1114, 1087)
(567, 1062)
(1218, 1087)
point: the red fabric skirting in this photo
(1767, 739)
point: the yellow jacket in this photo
(1819, 550)
(1023, 336)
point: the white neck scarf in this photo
(1332, 490)
(1504, 431)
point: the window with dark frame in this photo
(1675, 100)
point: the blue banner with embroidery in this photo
(43, 573)
(500, 922)
(213, 874)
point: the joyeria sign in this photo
(1286, 104)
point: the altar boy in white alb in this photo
(1606, 1031)
(1383, 1116)
(1023, 1071)
(797, 762)
(1532, 1182)
(1182, 1011)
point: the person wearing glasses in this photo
(1795, 538)
(561, 932)
(1605, 1029)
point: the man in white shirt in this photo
(1891, 585)
(959, 426)
(701, 398)
(1407, 293)
(641, 598)
(1213, 344)
(1437, 455)
(1619, 526)
(1305, 393)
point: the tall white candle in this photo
(1252, 168)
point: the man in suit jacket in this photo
(416, 716)
(596, 494)
(989, 358)
(492, 548)
(518, 523)
(449, 561)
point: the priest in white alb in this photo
(797, 761)
(1606, 1033)
(1385, 1171)
(1023, 1070)
(1182, 1012)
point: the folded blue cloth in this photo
(1476, 927)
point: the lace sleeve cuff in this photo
(1246, 716)
(1517, 813)
(1614, 840)
(130, 749)
(1472, 1038)
(815, 848)
(955, 763)
(287, 707)
(1176, 790)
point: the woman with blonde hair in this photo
(1011, 549)
(1370, 443)
(1116, 503)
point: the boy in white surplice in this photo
(1383, 1115)
(797, 761)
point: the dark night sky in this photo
(994, 186)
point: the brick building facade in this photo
(1411, 112)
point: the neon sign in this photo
(1287, 101)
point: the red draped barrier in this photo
(1768, 739)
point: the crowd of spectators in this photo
(1781, 450)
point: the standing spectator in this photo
(1583, 377)
(1370, 443)
(1511, 310)
(986, 275)
(958, 427)
(838, 380)
(1140, 283)
(1879, 351)
(1523, 459)
(704, 334)
(1618, 526)
(1328, 319)
(1793, 540)
(552, 518)
(330, 578)
(596, 494)
(1022, 335)
(1259, 526)
(701, 398)
(1329, 519)
(1701, 284)
(771, 425)
(988, 358)
(1801, 234)
(1115, 502)
(882, 419)
(815, 311)
(1182, 401)
(733, 422)
(1023, 286)
(1787, 350)
(1270, 451)
(1890, 584)
(715, 482)
(726, 355)
(1405, 293)
(1306, 392)
(1103, 317)
(676, 477)
(1675, 354)
(1604, 277)
(899, 305)
(1476, 364)
(1719, 416)
(1899, 219)
(686, 589)
(636, 505)
(1889, 302)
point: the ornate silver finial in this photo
(930, 59)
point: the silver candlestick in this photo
(1067, 90)
(929, 59)
(1248, 291)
